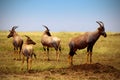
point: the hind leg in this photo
(57, 47)
(23, 60)
(70, 59)
(60, 49)
(33, 54)
(57, 55)
(71, 54)
(59, 52)
(19, 53)
(27, 63)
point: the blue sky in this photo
(60, 15)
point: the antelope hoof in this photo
(90, 61)
(19, 59)
(71, 64)
(21, 69)
(14, 59)
(86, 63)
(58, 60)
(48, 59)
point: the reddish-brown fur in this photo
(48, 41)
(86, 40)
(17, 41)
(28, 52)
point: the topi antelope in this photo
(88, 40)
(17, 42)
(48, 41)
(27, 51)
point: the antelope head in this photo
(12, 31)
(29, 40)
(47, 30)
(101, 28)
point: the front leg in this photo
(29, 63)
(44, 52)
(48, 53)
(90, 57)
(19, 53)
(89, 53)
(87, 62)
(15, 54)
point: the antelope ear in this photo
(27, 37)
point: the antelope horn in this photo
(102, 23)
(46, 27)
(14, 27)
(27, 36)
(98, 23)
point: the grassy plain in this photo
(106, 53)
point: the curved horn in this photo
(14, 27)
(98, 23)
(46, 27)
(102, 23)
(27, 36)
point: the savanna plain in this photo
(105, 66)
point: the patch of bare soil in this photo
(95, 68)
(89, 71)
(94, 71)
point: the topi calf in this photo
(28, 52)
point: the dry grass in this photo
(106, 58)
